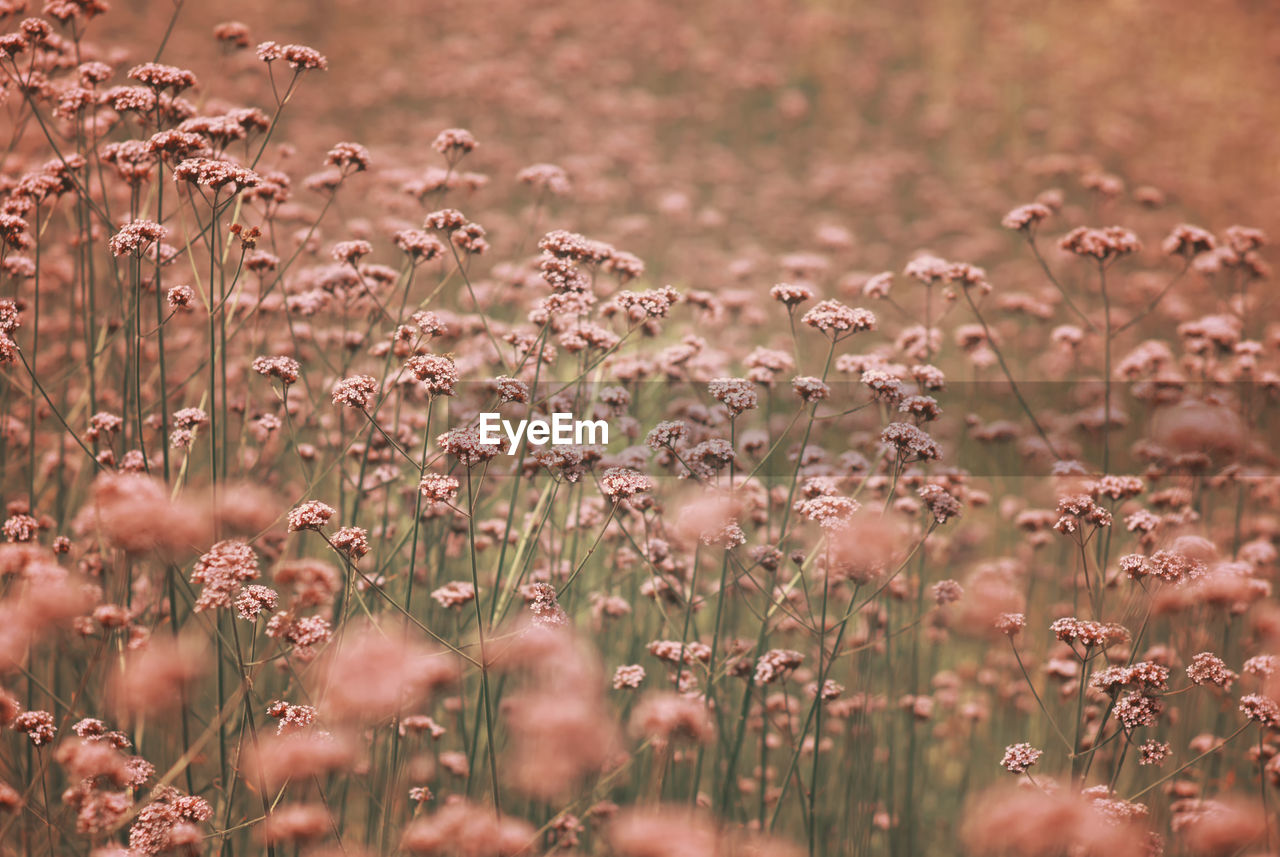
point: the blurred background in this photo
(703, 133)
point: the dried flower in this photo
(356, 391)
(776, 665)
(348, 157)
(455, 593)
(453, 143)
(1089, 633)
(136, 237)
(810, 389)
(829, 511)
(737, 394)
(464, 444)
(946, 592)
(837, 320)
(351, 541)
(437, 373)
(1010, 623)
(629, 676)
(1104, 245)
(221, 571)
(253, 601)
(285, 368)
(37, 725)
(299, 57)
(665, 717)
(1026, 217)
(1019, 757)
(161, 77)
(1154, 752)
(619, 483)
(311, 515)
(1261, 709)
(1208, 669)
(462, 828)
(791, 295)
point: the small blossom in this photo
(255, 600)
(453, 143)
(946, 592)
(455, 593)
(619, 483)
(299, 57)
(437, 373)
(830, 512)
(38, 726)
(1104, 245)
(234, 34)
(776, 665)
(791, 295)
(291, 717)
(350, 252)
(810, 389)
(630, 677)
(1261, 709)
(1026, 217)
(910, 442)
(221, 571)
(1208, 669)
(356, 391)
(510, 389)
(1019, 757)
(352, 541)
(1134, 710)
(1080, 510)
(161, 77)
(655, 303)
(180, 297)
(420, 246)
(285, 368)
(190, 418)
(464, 444)
(1088, 633)
(136, 237)
(438, 487)
(21, 528)
(1153, 752)
(215, 174)
(1187, 240)
(942, 504)
(1010, 623)
(666, 434)
(676, 652)
(835, 319)
(736, 394)
(311, 515)
(548, 177)
(348, 157)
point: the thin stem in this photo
(484, 661)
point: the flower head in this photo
(311, 515)
(356, 391)
(619, 483)
(837, 320)
(1019, 757)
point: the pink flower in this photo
(619, 483)
(356, 391)
(837, 320)
(311, 515)
(455, 593)
(1019, 757)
